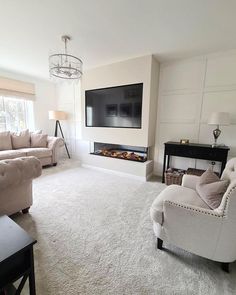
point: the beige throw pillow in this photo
(36, 132)
(5, 141)
(20, 139)
(39, 140)
(211, 189)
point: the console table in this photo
(16, 257)
(194, 151)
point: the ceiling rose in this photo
(64, 65)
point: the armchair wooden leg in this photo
(225, 266)
(25, 211)
(159, 244)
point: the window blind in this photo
(17, 88)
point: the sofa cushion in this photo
(178, 194)
(20, 139)
(39, 140)
(211, 189)
(38, 152)
(5, 141)
(11, 154)
(40, 131)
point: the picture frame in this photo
(126, 110)
(184, 141)
(111, 110)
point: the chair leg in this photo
(225, 266)
(159, 244)
(25, 211)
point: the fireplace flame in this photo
(127, 155)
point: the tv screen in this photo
(116, 107)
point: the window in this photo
(15, 114)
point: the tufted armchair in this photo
(180, 217)
(16, 177)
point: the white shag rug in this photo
(95, 236)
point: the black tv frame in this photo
(111, 88)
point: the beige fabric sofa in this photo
(180, 217)
(48, 155)
(16, 177)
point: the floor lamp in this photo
(59, 115)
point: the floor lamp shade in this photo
(57, 115)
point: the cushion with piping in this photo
(21, 139)
(39, 140)
(5, 141)
(211, 189)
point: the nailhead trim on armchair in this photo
(195, 209)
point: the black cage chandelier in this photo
(64, 65)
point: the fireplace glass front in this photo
(125, 152)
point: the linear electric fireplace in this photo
(124, 152)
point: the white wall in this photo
(137, 70)
(140, 70)
(189, 91)
(45, 99)
(69, 100)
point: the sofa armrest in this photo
(54, 143)
(16, 171)
(190, 181)
(191, 209)
(192, 228)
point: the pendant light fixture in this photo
(64, 65)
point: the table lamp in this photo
(59, 115)
(218, 118)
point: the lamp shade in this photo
(219, 118)
(57, 115)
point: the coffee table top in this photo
(13, 238)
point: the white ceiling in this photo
(106, 31)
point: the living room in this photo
(117, 167)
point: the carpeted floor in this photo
(95, 237)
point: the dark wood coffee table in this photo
(16, 257)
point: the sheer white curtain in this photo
(15, 114)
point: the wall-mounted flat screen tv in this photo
(116, 107)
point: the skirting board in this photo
(122, 174)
